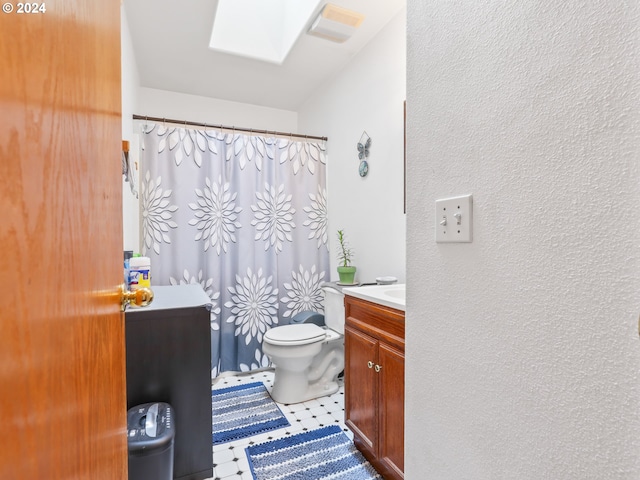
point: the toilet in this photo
(308, 357)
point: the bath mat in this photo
(325, 453)
(242, 411)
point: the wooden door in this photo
(62, 367)
(361, 387)
(391, 410)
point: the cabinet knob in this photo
(370, 364)
(378, 368)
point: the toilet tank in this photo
(333, 309)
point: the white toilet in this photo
(308, 358)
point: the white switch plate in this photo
(454, 219)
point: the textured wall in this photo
(523, 355)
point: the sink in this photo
(395, 293)
(388, 295)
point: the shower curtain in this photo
(245, 217)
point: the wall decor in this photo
(363, 153)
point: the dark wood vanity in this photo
(374, 383)
(168, 349)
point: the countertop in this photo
(392, 296)
(167, 297)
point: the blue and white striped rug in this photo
(242, 411)
(325, 453)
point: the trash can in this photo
(151, 432)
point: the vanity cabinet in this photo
(374, 383)
(168, 348)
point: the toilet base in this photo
(292, 387)
(303, 372)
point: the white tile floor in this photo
(229, 459)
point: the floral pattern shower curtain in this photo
(245, 217)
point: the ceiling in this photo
(171, 38)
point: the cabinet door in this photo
(360, 387)
(169, 360)
(391, 411)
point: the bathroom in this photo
(493, 327)
(366, 95)
(522, 355)
(360, 97)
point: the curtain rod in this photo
(224, 127)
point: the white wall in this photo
(130, 86)
(367, 95)
(180, 106)
(523, 357)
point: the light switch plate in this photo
(454, 219)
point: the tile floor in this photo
(229, 459)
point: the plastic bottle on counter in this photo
(127, 256)
(139, 272)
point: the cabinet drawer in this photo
(381, 322)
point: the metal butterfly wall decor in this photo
(363, 154)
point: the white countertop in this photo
(392, 296)
(167, 297)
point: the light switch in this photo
(454, 219)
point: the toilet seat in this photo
(296, 334)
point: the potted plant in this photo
(346, 271)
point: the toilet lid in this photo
(297, 334)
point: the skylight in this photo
(261, 29)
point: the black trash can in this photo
(151, 432)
